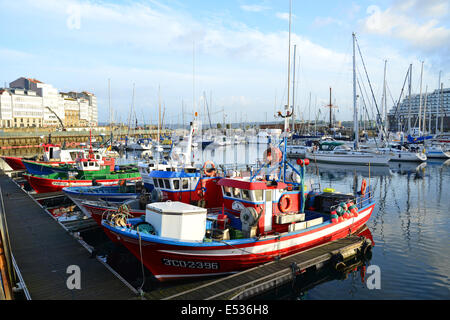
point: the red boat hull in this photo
(168, 260)
(14, 162)
(44, 185)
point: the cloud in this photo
(324, 21)
(284, 15)
(422, 27)
(254, 8)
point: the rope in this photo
(142, 265)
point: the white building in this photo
(31, 103)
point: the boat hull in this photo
(374, 160)
(44, 185)
(14, 162)
(169, 259)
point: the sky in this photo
(234, 53)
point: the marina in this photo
(81, 227)
(232, 153)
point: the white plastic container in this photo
(177, 220)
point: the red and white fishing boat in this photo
(264, 217)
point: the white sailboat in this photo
(340, 153)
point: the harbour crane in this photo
(59, 119)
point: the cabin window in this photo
(227, 191)
(166, 183)
(258, 195)
(96, 164)
(84, 164)
(176, 184)
(246, 195)
(185, 184)
(91, 164)
(160, 183)
(236, 193)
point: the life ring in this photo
(363, 187)
(212, 171)
(285, 203)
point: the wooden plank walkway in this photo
(44, 250)
(250, 282)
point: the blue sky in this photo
(240, 51)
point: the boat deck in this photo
(249, 283)
(43, 250)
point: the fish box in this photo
(177, 220)
(314, 222)
(297, 226)
(289, 218)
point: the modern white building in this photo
(430, 110)
(31, 103)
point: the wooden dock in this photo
(43, 250)
(249, 283)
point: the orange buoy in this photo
(212, 171)
(363, 187)
(285, 203)
(272, 155)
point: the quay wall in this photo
(28, 143)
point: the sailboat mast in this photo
(420, 99)
(384, 99)
(409, 109)
(293, 92)
(425, 110)
(355, 109)
(286, 120)
(437, 104)
(159, 111)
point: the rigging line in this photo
(399, 99)
(370, 85)
(365, 108)
(362, 95)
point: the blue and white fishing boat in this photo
(107, 194)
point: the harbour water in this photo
(410, 227)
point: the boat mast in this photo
(286, 119)
(425, 111)
(437, 104)
(293, 92)
(159, 111)
(420, 100)
(409, 109)
(384, 100)
(355, 109)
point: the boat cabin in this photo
(262, 207)
(187, 185)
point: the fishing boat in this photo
(87, 172)
(185, 184)
(45, 168)
(52, 154)
(340, 153)
(263, 218)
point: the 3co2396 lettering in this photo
(191, 264)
